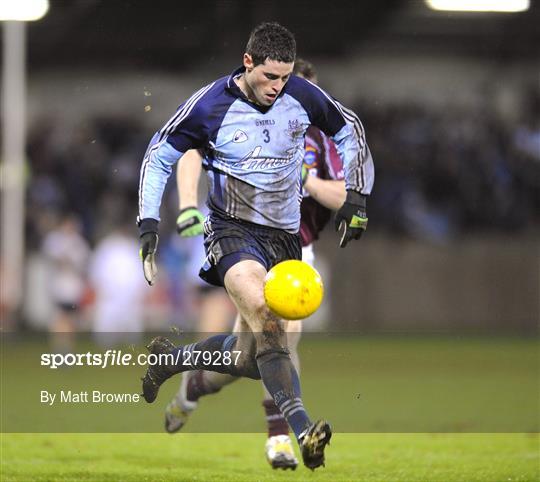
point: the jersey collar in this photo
(235, 90)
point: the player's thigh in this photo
(245, 284)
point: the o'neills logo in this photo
(265, 122)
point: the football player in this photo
(324, 190)
(251, 127)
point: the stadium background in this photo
(439, 302)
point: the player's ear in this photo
(248, 62)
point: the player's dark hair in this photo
(272, 41)
(305, 69)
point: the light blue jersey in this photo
(253, 154)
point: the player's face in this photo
(265, 81)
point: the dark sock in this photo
(198, 387)
(275, 421)
(215, 354)
(281, 380)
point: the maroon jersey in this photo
(322, 160)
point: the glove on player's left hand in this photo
(149, 242)
(189, 222)
(305, 174)
(352, 217)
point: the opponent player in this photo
(324, 189)
(251, 126)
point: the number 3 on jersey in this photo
(266, 138)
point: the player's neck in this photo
(245, 88)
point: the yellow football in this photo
(293, 289)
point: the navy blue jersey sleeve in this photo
(189, 128)
(343, 126)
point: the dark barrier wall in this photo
(479, 284)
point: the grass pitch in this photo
(239, 457)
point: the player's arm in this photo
(190, 220)
(328, 192)
(348, 134)
(351, 218)
(156, 169)
(185, 130)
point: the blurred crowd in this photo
(440, 175)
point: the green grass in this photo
(239, 457)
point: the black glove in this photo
(352, 217)
(148, 228)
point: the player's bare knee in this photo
(259, 317)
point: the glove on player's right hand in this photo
(149, 242)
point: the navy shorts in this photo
(228, 241)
